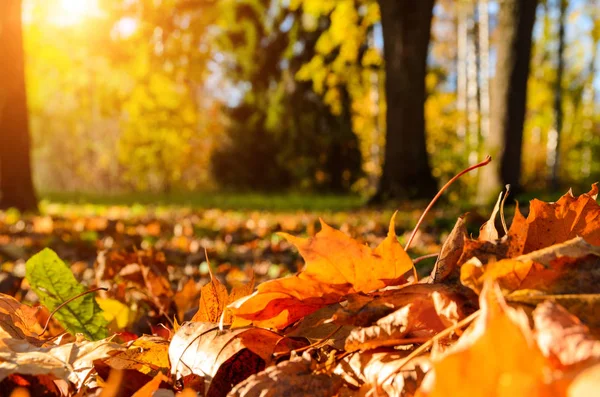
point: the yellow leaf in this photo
(115, 311)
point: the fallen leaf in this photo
(488, 231)
(213, 299)
(569, 217)
(562, 335)
(18, 320)
(447, 261)
(383, 373)
(147, 355)
(289, 378)
(413, 323)
(569, 267)
(151, 387)
(336, 265)
(72, 361)
(496, 356)
(222, 357)
(54, 284)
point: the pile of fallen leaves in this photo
(510, 313)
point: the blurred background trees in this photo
(384, 98)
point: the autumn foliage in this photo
(507, 313)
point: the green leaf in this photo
(54, 283)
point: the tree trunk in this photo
(554, 140)
(509, 98)
(16, 187)
(406, 30)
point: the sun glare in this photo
(71, 12)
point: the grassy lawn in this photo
(225, 201)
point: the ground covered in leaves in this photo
(123, 301)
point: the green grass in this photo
(225, 201)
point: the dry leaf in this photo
(421, 319)
(383, 373)
(496, 356)
(336, 265)
(148, 355)
(18, 320)
(72, 361)
(289, 378)
(213, 299)
(569, 217)
(570, 267)
(222, 357)
(562, 335)
(447, 261)
(488, 231)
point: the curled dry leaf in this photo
(289, 378)
(223, 358)
(570, 267)
(361, 310)
(447, 261)
(384, 373)
(336, 265)
(562, 335)
(496, 356)
(18, 321)
(420, 320)
(72, 361)
(318, 327)
(488, 231)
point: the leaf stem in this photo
(486, 161)
(67, 302)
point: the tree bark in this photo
(16, 187)
(509, 98)
(406, 31)
(554, 148)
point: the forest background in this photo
(385, 99)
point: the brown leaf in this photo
(488, 231)
(213, 299)
(222, 357)
(72, 361)
(563, 336)
(318, 327)
(496, 356)
(383, 373)
(18, 320)
(450, 253)
(363, 310)
(151, 387)
(421, 319)
(289, 378)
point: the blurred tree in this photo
(281, 132)
(406, 32)
(556, 132)
(16, 187)
(509, 96)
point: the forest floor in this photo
(238, 231)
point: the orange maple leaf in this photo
(569, 217)
(336, 265)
